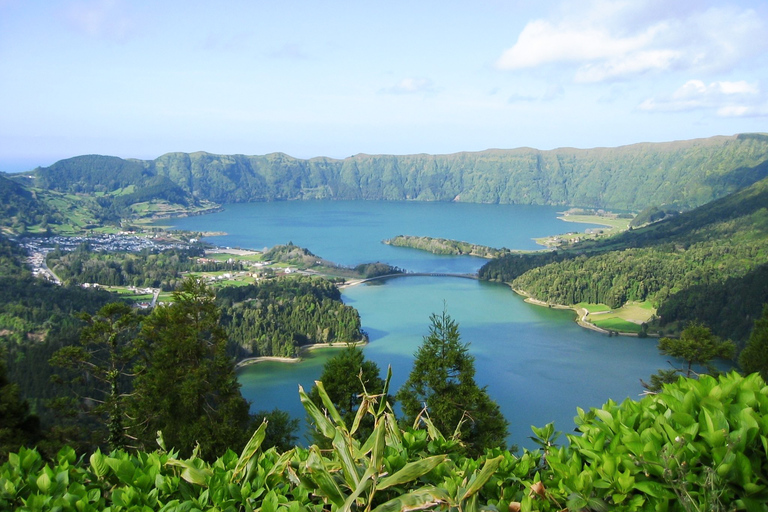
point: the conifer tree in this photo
(754, 357)
(443, 382)
(17, 426)
(188, 388)
(104, 357)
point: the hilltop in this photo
(710, 264)
(685, 174)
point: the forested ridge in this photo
(671, 263)
(684, 173)
(276, 317)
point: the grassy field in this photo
(613, 225)
(611, 222)
(628, 318)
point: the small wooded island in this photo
(447, 247)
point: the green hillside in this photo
(688, 266)
(686, 173)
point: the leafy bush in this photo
(697, 445)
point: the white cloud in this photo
(107, 19)
(411, 86)
(728, 99)
(611, 40)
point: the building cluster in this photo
(99, 243)
(38, 247)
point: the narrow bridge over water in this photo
(414, 274)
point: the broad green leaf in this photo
(98, 464)
(327, 486)
(412, 471)
(44, 483)
(489, 468)
(360, 414)
(351, 475)
(190, 473)
(651, 488)
(385, 391)
(329, 405)
(363, 485)
(325, 426)
(250, 449)
(421, 499)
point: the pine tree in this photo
(104, 356)
(188, 388)
(443, 382)
(754, 357)
(17, 426)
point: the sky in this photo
(138, 79)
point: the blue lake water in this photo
(536, 362)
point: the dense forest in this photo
(698, 256)
(685, 173)
(276, 317)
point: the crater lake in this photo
(536, 362)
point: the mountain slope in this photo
(686, 173)
(688, 265)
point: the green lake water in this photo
(536, 362)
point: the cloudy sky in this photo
(137, 78)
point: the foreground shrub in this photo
(697, 445)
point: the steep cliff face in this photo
(685, 173)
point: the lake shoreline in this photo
(248, 361)
(581, 313)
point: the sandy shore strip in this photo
(306, 348)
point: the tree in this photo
(345, 378)
(281, 429)
(442, 382)
(695, 346)
(754, 357)
(105, 355)
(17, 426)
(187, 387)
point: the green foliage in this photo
(686, 261)
(444, 246)
(442, 385)
(281, 430)
(17, 426)
(104, 357)
(653, 214)
(186, 385)
(754, 357)
(347, 378)
(275, 317)
(142, 269)
(697, 445)
(688, 173)
(290, 253)
(377, 269)
(696, 346)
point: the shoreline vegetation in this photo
(581, 315)
(292, 360)
(448, 247)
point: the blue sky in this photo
(336, 78)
